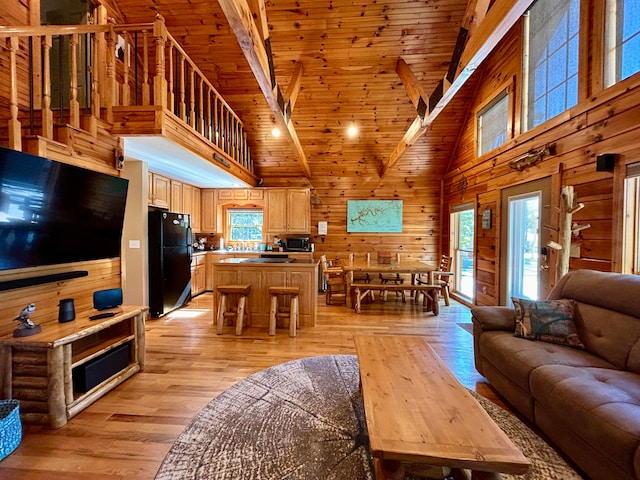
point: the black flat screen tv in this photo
(53, 213)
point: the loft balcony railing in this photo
(79, 74)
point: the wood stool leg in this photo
(293, 316)
(272, 314)
(240, 316)
(222, 305)
(357, 300)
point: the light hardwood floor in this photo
(127, 433)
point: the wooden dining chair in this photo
(442, 277)
(336, 282)
(359, 277)
(395, 278)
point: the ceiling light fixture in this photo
(352, 131)
(275, 132)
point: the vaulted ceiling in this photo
(348, 53)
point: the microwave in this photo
(298, 244)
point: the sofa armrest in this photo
(494, 318)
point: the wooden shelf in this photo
(94, 352)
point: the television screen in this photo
(52, 212)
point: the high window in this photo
(550, 80)
(244, 226)
(622, 40)
(493, 124)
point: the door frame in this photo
(544, 185)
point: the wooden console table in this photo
(421, 421)
(39, 370)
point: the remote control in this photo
(98, 316)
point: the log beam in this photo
(240, 18)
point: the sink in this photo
(269, 260)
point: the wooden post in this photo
(56, 391)
(111, 91)
(192, 98)
(172, 95)
(159, 79)
(47, 114)
(74, 105)
(92, 126)
(183, 79)
(146, 88)
(126, 89)
(15, 135)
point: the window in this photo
(631, 225)
(622, 40)
(244, 225)
(493, 124)
(550, 77)
(462, 243)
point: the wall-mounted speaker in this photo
(110, 298)
(606, 162)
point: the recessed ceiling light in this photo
(352, 131)
(275, 132)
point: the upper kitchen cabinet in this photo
(288, 210)
(159, 190)
(208, 213)
(225, 194)
(176, 197)
(191, 205)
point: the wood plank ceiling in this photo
(349, 52)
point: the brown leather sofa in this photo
(587, 401)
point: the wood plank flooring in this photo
(127, 433)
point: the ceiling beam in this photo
(291, 95)
(416, 93)
(489, 32)
(240, 18)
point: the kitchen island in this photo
(262, 273)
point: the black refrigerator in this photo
(169, 261)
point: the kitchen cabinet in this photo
(288, 210)
(198, 274)
(208, 213)
(159, 190)
(176, 197)
(240, 194)
(195, 210)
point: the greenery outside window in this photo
(244, 225)
(550, 76)
(493, 124)
(622, 40)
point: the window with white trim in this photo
(622, 40)
(550, 76)
(244, 225)
(493, 124)
(631, 222)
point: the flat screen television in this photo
(53, 213)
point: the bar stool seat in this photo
(242, 292)
(293, 312)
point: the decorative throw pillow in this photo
(547, 320)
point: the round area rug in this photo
(304, 420)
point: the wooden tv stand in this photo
(39, 370)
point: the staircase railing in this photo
(78, 74)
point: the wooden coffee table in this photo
(421, 420)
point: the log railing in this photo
(100, 67)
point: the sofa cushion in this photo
(516, 357)
(546, 320)
(600, 405)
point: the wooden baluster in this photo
(216, 120)
(160, 78)
(74, 105)
(192, 98)
(201, 107)
(15, 135)
(146, 88)
(183, 79)
(209, 115)
(111, 92)
(126, 88)
(92, 123)
(47, 114)
(172, 95)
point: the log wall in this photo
(604, 121)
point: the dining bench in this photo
(430, 301)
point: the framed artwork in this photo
(374, 216)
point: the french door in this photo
(523, 257)
(462, 228)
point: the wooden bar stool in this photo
(242, 291)
(293, 313)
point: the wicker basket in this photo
(10, 427)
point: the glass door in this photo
(462, 225)
(524, 269)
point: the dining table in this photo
(409, 266)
